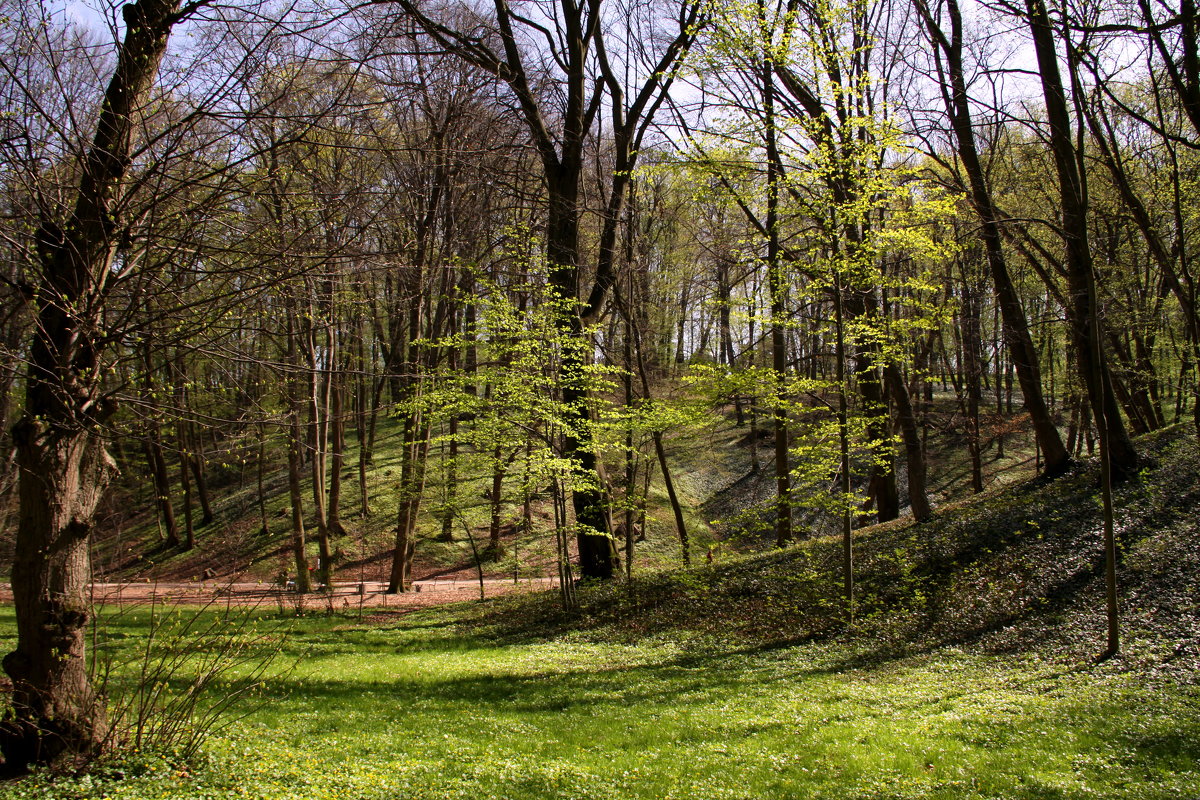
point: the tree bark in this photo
(914, 454)
(585, 75)
(337, 451)
(1020, 345)
(1085, 321)
(162, 483)
(973, 363)
(294, 458)
(64, 467)
(777, 289)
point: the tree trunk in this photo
(450, 500)
(64, 468)
(597, 554)
(361, 390)
(299, 554)
(260, 476)
(777, 288)
(1020, 345)
(317, 400)
(1085, 322)
(495, 550)
(182, 423)
(294, 452)
(411, 472)
(659, 450)
(162, 483)
(185, 483)
(337, 452)
(196, 462)
(973, 362)
(862, 304)
(54, 710)
(914, 454)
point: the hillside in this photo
(128, 545)
(724, 504)
(1015, 570)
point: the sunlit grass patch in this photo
(417, 710)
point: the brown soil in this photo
(342, 596)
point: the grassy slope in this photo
(1015, 568)
(967, 677)
(710, 464)
(411, 712)
(233, 547)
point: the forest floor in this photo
(239, 559)
(340, 597)
(969, 672)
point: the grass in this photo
(417, 709)
(967, 676)
(1017, 569)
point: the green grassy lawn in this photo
(968, 674)
(417, 708)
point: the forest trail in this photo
(365, 594)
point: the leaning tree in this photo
(121, 184)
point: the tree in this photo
(64, 465)
(125, 187)
(955, 95)
(561, 77)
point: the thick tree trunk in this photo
(63, 465)
(15, 333)
(861, 305)
(1118, 458)
(597, 554)
(53, 710)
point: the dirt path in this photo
(366, 594)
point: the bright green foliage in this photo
(692, 684)
(798, 105)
